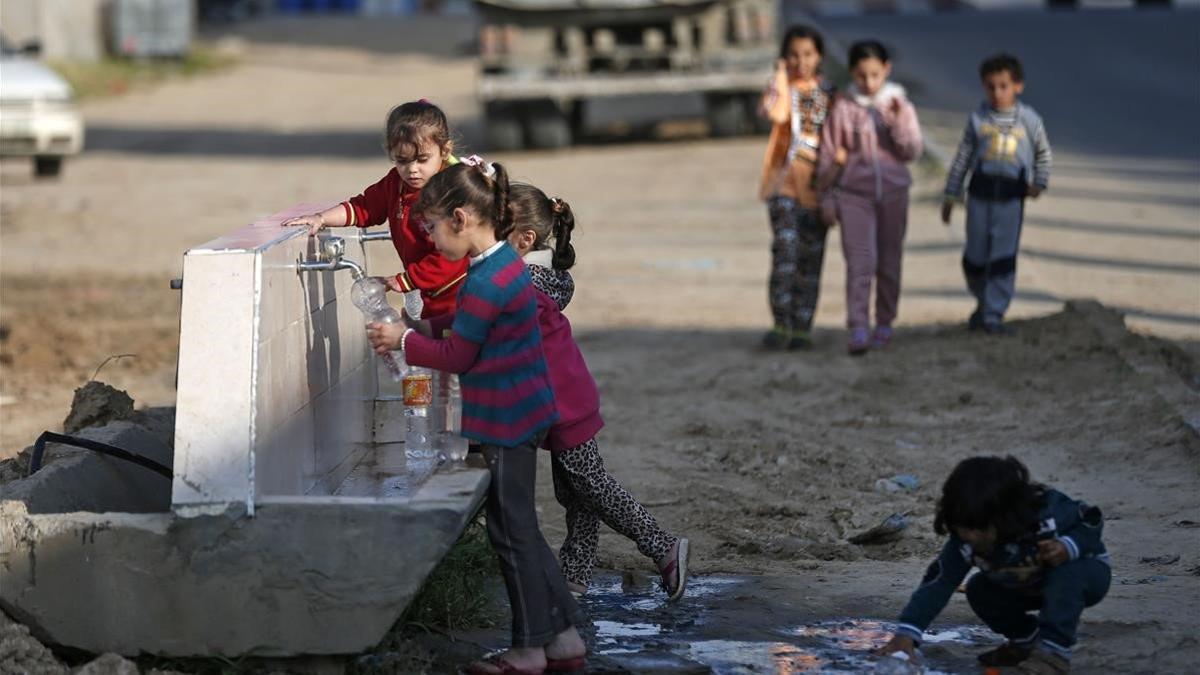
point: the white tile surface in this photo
(276, 389)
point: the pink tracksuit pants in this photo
(873, 243)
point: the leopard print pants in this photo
(591, 495)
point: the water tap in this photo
(330, 257)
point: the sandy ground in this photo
(766, 460)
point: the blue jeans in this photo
(1060, 599)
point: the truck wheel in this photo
(47, 167)
(504, 133)
(549, 128)
(726, 116)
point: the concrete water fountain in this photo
(294, 524)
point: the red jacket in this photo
(424, 267)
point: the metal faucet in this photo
(382, 235)
(329, 258)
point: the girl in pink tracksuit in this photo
(872, 132)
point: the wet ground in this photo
(743, 624)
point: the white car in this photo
(38, 117)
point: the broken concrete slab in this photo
(75, 479)
(304, 575)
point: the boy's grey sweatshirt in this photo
(1004, 144)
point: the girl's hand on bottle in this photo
(898, 643)
(392, 284)
(947, 209)
(315, 222)
(1052, 552)
(385, 337)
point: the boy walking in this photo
(1007, 153)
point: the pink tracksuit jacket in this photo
(870, 193)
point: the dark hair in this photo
(464, 185)
(409, 125)
(867, 49)
(547, 218)
(800, 32)
(998, 63)
(990, 491)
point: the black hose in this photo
(39, 449)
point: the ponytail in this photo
(503, 218)
(564, 223)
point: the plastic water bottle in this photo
(418, 413)
(369, 295)
(451, 444)
(413, 304)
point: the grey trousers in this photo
(542, 607)
(990, 259)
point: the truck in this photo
(543, 61)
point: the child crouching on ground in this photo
(1036, 549)
(582, 485)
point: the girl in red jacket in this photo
(871, 134)
(417, 139)
(582, 485)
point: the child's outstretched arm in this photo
(776, 102)
(964, 159)
(431, 273)
(315, 222)
(941, 579)
(1043, 157)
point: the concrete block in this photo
(304, 575)
(82, 480)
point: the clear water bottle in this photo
(369, 295)
(418, 414)
(413, 304)
(451, 444)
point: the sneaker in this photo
(1007, 654)
(975, 322)
(859, 342)
(882, 337)
(677, 566)
(776, 338)
(801, 339)
(999, 328)
(1042, 662)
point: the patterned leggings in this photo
(590, 494)
(797, 253)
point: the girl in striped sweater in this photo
(508, 405)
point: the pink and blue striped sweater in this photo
(496, 346)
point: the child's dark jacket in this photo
(1010, 564)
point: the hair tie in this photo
(423, 100)
(487, 168)
(559, 204)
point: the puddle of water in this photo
(707, 629)
(391, 475)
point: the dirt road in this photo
(766, 460)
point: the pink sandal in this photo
(498, 666)
(576, 664)
(678, 565)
